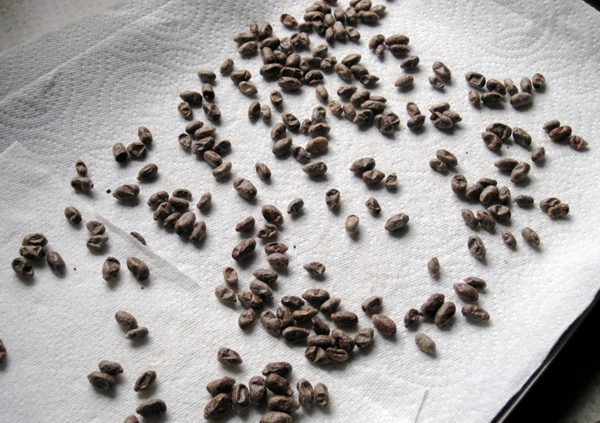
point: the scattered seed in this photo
(412, 317)
(102, 381)
(444, 314)
(137, 334)
(110, 268)
(372, 305)
(384, 324)
(396, 222)
(145, 381)
(110, 367)
(72, 215)
(56, 263)
(278, 261)
(243, 249)
(82, 184)
(509, 239)
(475, 313)
(247, 318)
(315, 268)
(229, 357)
(295, 206)
(558, 211)
(332, 199)
(520, 172)
(125, 319)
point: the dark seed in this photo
(32, 252)
(56, 263)
(243, 249)
(220, 386)
(476, 247)
(444, 314)
(119, 152)
(82, 184)
(244, 188)
(72, 215)
(332, 199)
(138, 268)
(145, 381)
(384, 324)
(396, 222)
(475, 313)
(102, 381)
(126, 192)
(110, 367)
(412, 317)
(22, 267)
(218, 407)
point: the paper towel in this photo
(83, 107)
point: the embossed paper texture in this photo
(132, 78)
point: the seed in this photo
(364, 338)
(410, 62)
(524, 201)
(506, 165)
(520, 172)
(101, 380)
(171, 220)
(521, 100)
(82, 184)
(433, 267)
(331, 305)
(276, 417)
(136, 150)
(384, 324)
(218, 407)
(509, 239)
(222, 147)
(546, 204)
(267, 231)
(447, 157)
(538, 81)
(474, 98)
(492, 140)
(492, 98)
(500, 213)
(504, 195)
(56, 263)
(319, 326)
(281, 368)
(271, 323)
(275, 247)
(459, 184)
(315, 268)
(125, 319)
(198, 232)
(240, 397)
(322, 341)
(425, 343)
(204, 202)
(212, 158)
(244, 188)
(253, 111)
(475, 79)
(332, 199)
(261, 290)
(488, 195)
(373, 206)
(412, 317)
(272, 214)
(110, 367)
(110, 268)
(371, 177)
(438, 165)
(305, 393)
(279, 385)
(145, 381)
(396, 222)
(503, 131)
(245, 225)
(362, 165)
(182, 193)
(22, 267)
(562, 133)
(265, 275)
(372, 305)
(220, 386)
(558, 211)
(243, 249)
(247, 318)
(207, 76)
(292, 301)
(436, 82)
(316, 297)
(352, 225)
(207, 92)
(577, 143)
(278, 261)
(185, 109)
(119, 152)
(349, 111)
(225, 294)
(126, 192)
(32, 252)
(211, 111)
(185, 224)
(441, 121)
(276, 98)
(295, 206)
(229, 357)
(305, 314)
(158, 198)
(510, 87)
(295, 334)
(476, 247)
(475, 313)
(248, 89)
(444, 314)
(469, 218)
(137, 334)
(138, 268)
(72, 215)
(466, 292)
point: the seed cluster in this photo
(32, 250)
(227, 395)
(497, 91)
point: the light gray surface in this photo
(31, 19)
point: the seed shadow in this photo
(247, 261)
(129, 203)
(138, 343)
(157, 419)
(400, 232)
(4, 364)
(375, 187)
(232, 369)
(110, 393)
(524, 108)
(322, 178)
(418, 130)
(448, 326)
(320, 278)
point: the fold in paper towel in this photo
(98, 98)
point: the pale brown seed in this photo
(137, 334)
(110, 268)
(247, 318)
(56, 263)
(97, 243)
(278, 261)
(306, 395)
(396, 222)
(245, 225)
(475, 313)
(558, 211)
(444, 314)
(225, 294)
(466, 292)
(352, 224)
(531, 237)
(229, 357)
(295, 206)
(384, 324)
(433, 267)
(425, 343)
(373, 206)
(125, 319)
(220, 386)
(372, 305)
(508, 238)
(520, 172)
(244, 188)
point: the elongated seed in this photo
(444, 314)
(531, 237)
(126, 320)
(138, 268)
(145, 381)
(384, 324)
(475, 313)
(229, 357)
(476, 247)
(110, 268)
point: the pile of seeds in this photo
(496, 90)
(33, 250)
(227, 395)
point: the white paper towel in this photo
(96, 99)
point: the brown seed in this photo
(459, 184)
(431, 306)
(372, 305)
(205, 201)
(466, 292)
(81, 168)
(271, 323)
(22, 267)
(292, 301)
(218, 407)
(276, 417)
(231, 277)
(476, 247)
(524, 201)
(126, 192)
(315, 268)
(412, 317)
(306, 395)
(152, 408)
(475, 313)
(371, 177)
(225, 294)
(510, 87)
(384, 324)
(253, 110)
(330, 306)
(95, 227)
(499, 212)
(171, 220)
(185, 224)
(492, 98)
(317, 145)
(538, 81)
(257, 390)
(444, 314)
(226, 66)
(447, 158)
(502, 130)
(110, 268)
(97, 243)
(295, 334)
(275, 247)
(322, 341)
(272, 214)
(489, 195)
(474, 191)
(373, 206)
(220, 386)
(305, 314)
(492, 141)
(132, 419)
(138, 268)
(145, 381)
(410, 62)
(212, 111)
(244, 188)
(526, 85)
(245, 225)
(278, 261)
(136, 150)
(73, 216)
(32, 252)
(469, 218)
(396, 222)
(558, 211)
(474, 98)
(364, 338)
(229, 357)
(198, 232)
(295, 206)
(102, 381)
(521, 100)
(362, 165)
(506, 165)
(82, 184)
(319, 326)
(247, 318)
(282, 147)
(261, 290)
(243, 249)
(425, 343)
(438, 165)
(265, 113)
(110, 367)
(433, 267)
(158, 198)
(137, 334)
(316, 296)
(521, 137)
(206, 76)
(546, 204)
(332, 199)
(248, 89)
(436, 82)
(352, 225)
(185, 109)
(279, 385)
(476, 283)
(321, 395)
(509, 239)
(125, 319)
(576, 143)
(212, 158)
(441, 121)
(475, 79)
(56, 263)
(281, 368)
(520, 172)
(119, 152)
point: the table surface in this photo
(568, 390)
